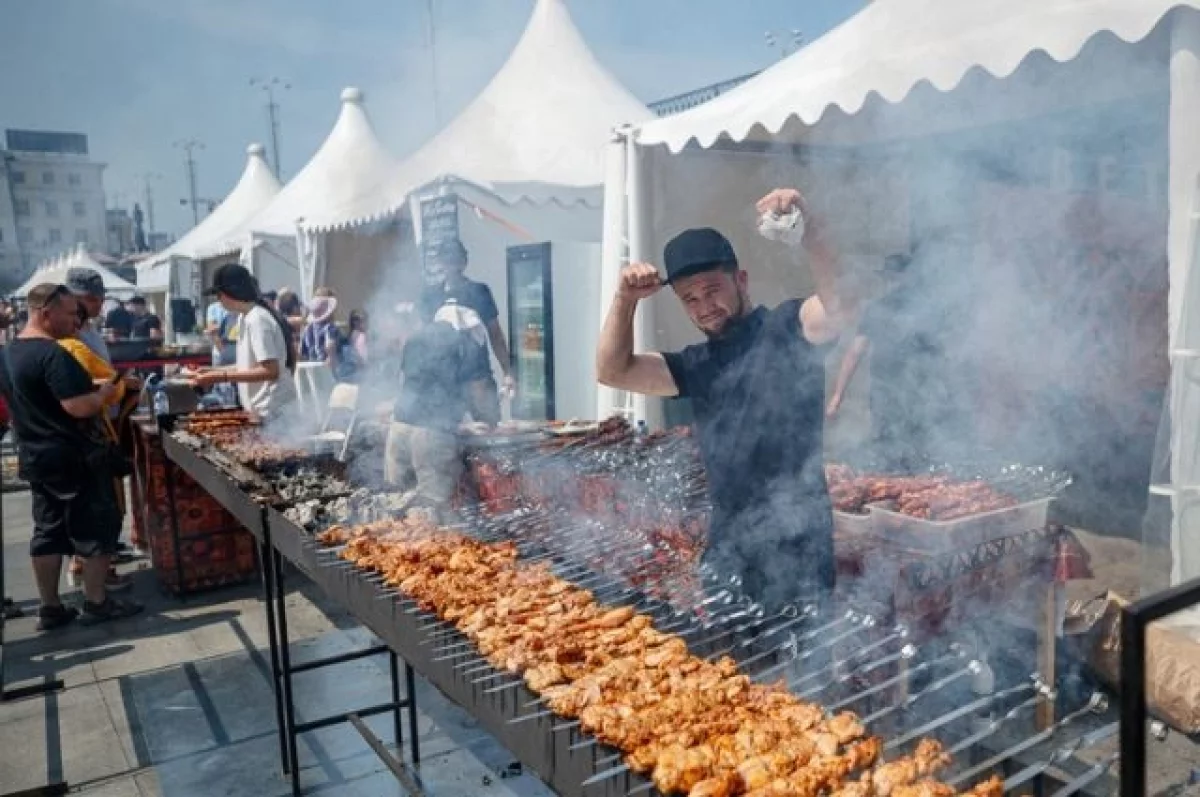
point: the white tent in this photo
(254, 190)
(526, 159)
(899, 73)
(348, 166)
(55, 271)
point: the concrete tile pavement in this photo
(178, 702)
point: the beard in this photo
(730, 323)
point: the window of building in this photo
(54, 235)
(47, 178)
(22, 207)
(52, 208)
(79, 209)
(18, 177)
(73, 179)
(25, 235)
(81, 236)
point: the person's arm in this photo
(70, 384)
(823, 316)
(616, 363)
(265, 349)
(499, 346)
(850, 362)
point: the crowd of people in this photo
(757, 384)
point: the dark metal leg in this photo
(285, 663)
(173, 516)
(411, 686)
(268, 577)
(397, 724)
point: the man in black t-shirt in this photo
(443, 376)
(445, 267)
(119, 322)
(54, 408)
(145, 324)
(758, 390)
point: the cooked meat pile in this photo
(203, 423)
(695, 727)
(926, 497)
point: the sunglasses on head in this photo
(41, 303)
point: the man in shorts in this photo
(54, 407)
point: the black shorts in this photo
(83, 519)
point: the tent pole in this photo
(613, 248)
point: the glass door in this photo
(531, 331)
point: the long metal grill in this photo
(902, 690)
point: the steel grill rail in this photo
(850, 660)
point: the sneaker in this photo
(117, 583)
(52, 617)
(111, 609)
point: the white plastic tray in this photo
(967, 532)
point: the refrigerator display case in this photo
(531, 331)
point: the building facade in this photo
(53, 199)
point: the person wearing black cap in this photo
(145, 324)
(757, 386)
(445, 267)
(88, 288)
(265, 357)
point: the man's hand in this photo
(639, 281)
(782, 201)
(832, 409)
(206, 378)
(132, 384)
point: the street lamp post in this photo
(189, 146)
(269, 85)
(787, 45)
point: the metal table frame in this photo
(253, 516)
(1134, 620)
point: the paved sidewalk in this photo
(177, 702)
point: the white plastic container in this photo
(961, 533)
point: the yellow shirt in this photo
(97, 369)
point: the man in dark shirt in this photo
(54, 407)
(443, 375)
(445, 267)
(119, 322)
(758, 389)
(145, 324)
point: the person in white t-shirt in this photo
(265, 361)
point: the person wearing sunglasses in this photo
(55, 409)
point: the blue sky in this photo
(138, 75)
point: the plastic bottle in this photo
(162, 406)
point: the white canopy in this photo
(55, 271)
(339, 185)
(890, 47)
(255, 188)
(536, 132)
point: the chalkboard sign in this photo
(439, 219)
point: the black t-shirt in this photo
(758, 393)
(142, 325)
(51, 442)
(120, 321)
(474, 295)
(438, 363)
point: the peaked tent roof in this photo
(348, 168)
(254, 190)
(537, 131)
(891, 46)
(55, 271)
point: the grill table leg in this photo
(411, 686)
(397, 723)
(285, 663)
(1047, 637)
(268, 576)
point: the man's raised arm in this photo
(616, 364)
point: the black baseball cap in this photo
(85, 282)
(694, 251)
(449, 252)
(234, 280)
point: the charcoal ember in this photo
(305, 482)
